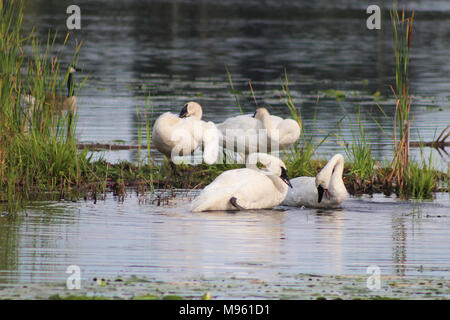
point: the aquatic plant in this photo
(37, 152)
(147, 115)
(298, 159)
(295, 114)
(402, 37)
(234, 91)
(359, 152)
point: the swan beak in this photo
(284, 177)
(321, 191)
(184, 112)
(254, 115)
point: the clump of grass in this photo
(402, 36)
(359, 153)
(147, 115)
(36, 153)
(298, 159)
(420, 180)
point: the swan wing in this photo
(251, 188)
(302, 193)
(242, 122)
(289, 132)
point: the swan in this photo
(175, 135)
(246, 188)
(59, 102)
(260, 132)
(310, 191)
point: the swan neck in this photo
(70, 87)
(198, 115)
(339, 167)
(333, 169)
(279, 184)
(267, 122)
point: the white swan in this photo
(261, 132)
(310, 191)
(246, 188)
(177, 135)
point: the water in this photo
(169, 243)
(177, 51)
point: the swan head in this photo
(270, 165)
(260, 113)
(322, 188)
(191, 109)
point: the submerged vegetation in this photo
(39, 157)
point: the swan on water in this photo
(246, 188)
(326, 190)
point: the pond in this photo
(178, 51)
(137, 237)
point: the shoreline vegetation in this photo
(40, 158)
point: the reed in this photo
(359, 152)
(295, 114)
(421, 180)
(299, 157)
(402, 38)
(234, 91)
(36, 152)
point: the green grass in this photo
(359, 153)
(421, 179)
(402, 36)
(234, 91)
(37, 151)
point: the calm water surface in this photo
(136, 237)
(177, 51)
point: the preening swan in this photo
(326, 190)
(177, 135)
(261, 132)
(247, 188)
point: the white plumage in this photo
(177, 135)
(326, 190)
(247, 188)
(261, 133)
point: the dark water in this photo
(177, 51)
